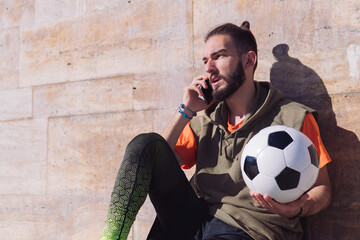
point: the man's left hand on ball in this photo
(287, 210)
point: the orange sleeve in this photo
(311, 130)
(186, 147)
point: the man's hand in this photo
(192, 101)
(287, 210)
(315, 200)
(192, 92)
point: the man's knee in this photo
(139, 152)
(147, 146)
(142, 140)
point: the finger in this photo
(262, 201)
(265, 201)
(278, 208)
(200, 81)
(192, 88)
(273, 204)
(253, 195)
(200, 78)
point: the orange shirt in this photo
(186, 144)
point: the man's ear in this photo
(251, 59)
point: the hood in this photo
(266, 96)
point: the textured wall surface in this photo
(80, 78)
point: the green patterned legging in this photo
(149, 166)
(129, 193)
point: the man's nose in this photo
(210, 66)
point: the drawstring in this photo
(221, 139)
(221, 132)
(234, 144)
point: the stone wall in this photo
(80, 78)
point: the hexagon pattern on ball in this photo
(280, 161)
(263, 183)
(261, 143)
(294, 152)
(311, 172)
(271, 168)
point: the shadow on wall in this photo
(302, 84)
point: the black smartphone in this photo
(207, 92)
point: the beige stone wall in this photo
(80, 78)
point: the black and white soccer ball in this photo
(280, 161)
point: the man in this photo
(223, 207)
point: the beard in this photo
(234, 82)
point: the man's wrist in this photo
(186, 112)
(297, 215)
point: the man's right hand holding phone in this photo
(198, 87)
(193, 104)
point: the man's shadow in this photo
(302, 84)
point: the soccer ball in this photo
(280, 161)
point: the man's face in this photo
(224, 66)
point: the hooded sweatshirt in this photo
(218, 177)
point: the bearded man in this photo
(215, 204)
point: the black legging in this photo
(150, 167)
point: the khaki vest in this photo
(218, 177)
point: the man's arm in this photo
(172, 132)
(317, 199)
(192, 101)
(319, 195)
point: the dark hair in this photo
(243, 38)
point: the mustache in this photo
(216, 75)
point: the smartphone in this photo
(207, 92)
